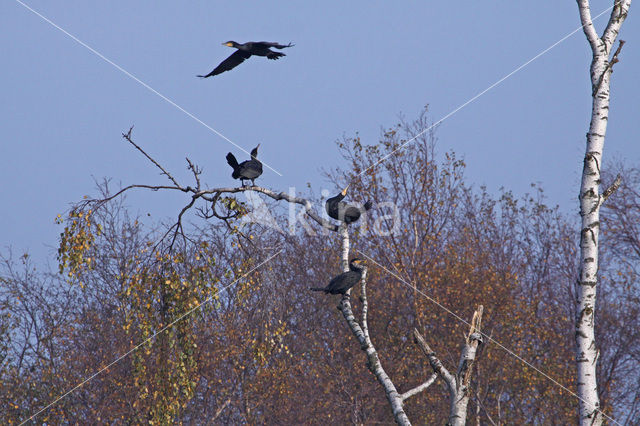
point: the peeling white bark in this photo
(590, 202)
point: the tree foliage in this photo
(225, 338)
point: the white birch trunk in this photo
(373, 361)
(362, 334)
(590, 201)
(344, 253)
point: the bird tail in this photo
(204, 76)
(231, 159)
(317, 289)
(368, 205)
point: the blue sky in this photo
(355, 67)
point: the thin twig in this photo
(127, 136)
(197, 171)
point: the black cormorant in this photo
(344, 281)
(258, 48)
(339, 210)
(247, 170)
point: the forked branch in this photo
(457, 384)
(211, 197)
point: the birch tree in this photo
(590, 201)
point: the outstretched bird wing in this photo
(272, 44)
(230, 63)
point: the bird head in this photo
(230, 43)
(344, 191)
(254, 152)
(357, 261)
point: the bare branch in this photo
(587, 25)
(127, 136)
(178, 225)
(211, 195)
(612, 188)
(197, 171)
(207, 213)
(614, 59)
(474, 338)
(101, 201)
(618, 15)
(408, 394)
(435, 363)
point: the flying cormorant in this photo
(247, 170)
(344, 281)
(258, 48)
(339, 210)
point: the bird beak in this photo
(227, 44)
(258, 146)
(344, 191)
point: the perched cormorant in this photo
(247, 170)
(258, 48)
(344, 281)
(339, 210)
